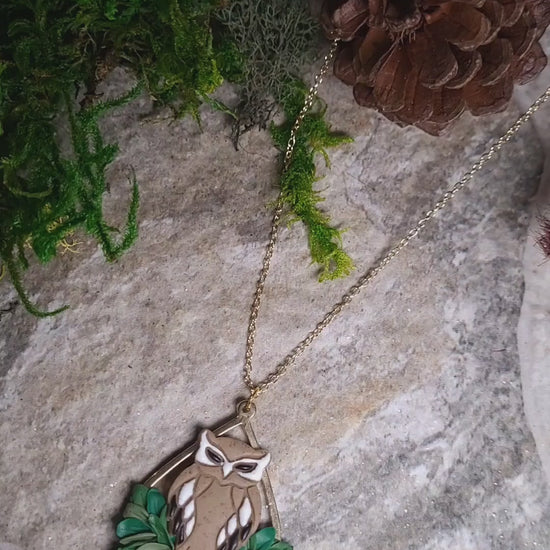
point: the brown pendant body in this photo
(215, 503)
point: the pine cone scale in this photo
(449, 106)
(391, 81)
(485, 100)
(522, 35)
(541, 12)
(532, 63)
(435, 60)
(343, 67)
(364, 95)
(493, 11)
(419, 103)
(512, 12)
(347, 18)
(469, 64)
(371, 55)
(425, 62)
(496, 59)
(464, 26)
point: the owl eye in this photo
(246, 468)
(214, 456)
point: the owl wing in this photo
(187, 487)
(253, 494)
(243, 523)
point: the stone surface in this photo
(534, 323)
(402, 427)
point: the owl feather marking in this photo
(188, 487)
(240, 525)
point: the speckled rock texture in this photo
(534, 324)
(402, 427)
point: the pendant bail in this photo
(246, 411)
(246, 408)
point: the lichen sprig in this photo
(276, 40)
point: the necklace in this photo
(214, 502)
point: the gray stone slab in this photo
(534, 323)
(402, 427)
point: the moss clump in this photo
(169, 44)
(298, 181)
(45, 194)
(53, 52)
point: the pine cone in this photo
(425, 62)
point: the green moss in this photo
(167, 43)
(298, 181)
(53, 55)
(52, 51)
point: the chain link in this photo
(260, 387)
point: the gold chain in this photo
(254, 310)
(257, 388)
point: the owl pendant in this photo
(215, 503)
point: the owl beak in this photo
(227, 468)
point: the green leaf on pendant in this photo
(281, 546)
(140, 537)
(131, 526)
(160, 530)
(139, 495)
(132, 510)
(155, 502)
(266, 540)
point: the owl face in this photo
(230, 461)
